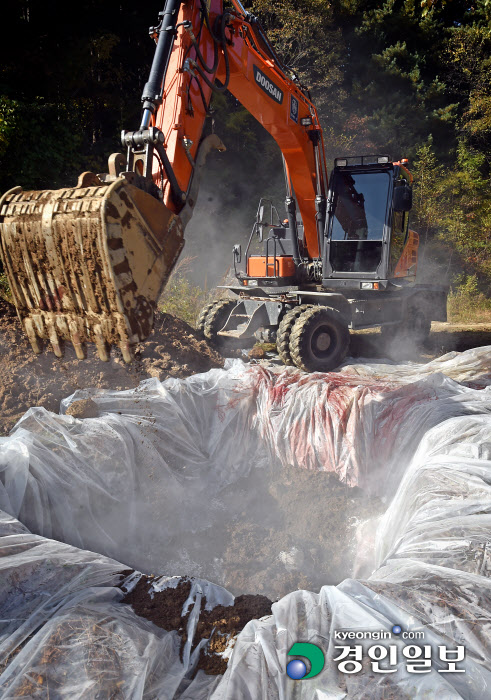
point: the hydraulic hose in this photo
(151, 95)
(223, 41)
(195, 42)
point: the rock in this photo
(83, 408)
(257, 353)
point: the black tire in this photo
(319, 339)
(214, 321)
(284, 331)
(414, 328)
(200, 325)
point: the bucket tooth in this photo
(79, 350)
(54, 339)
(126, 351)
(102, 350)
(101, 345)
(77, 343)
(32, 337)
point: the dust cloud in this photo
(232, 185)
(272, 531)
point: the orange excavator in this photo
(88, 263)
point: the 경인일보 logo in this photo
(297, 669)
(415, 656)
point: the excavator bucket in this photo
(87, 264)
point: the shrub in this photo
(181, 298)
(466, 304)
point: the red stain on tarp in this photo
(337, 422)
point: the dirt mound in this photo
(219, 625)
(173, 349)
(270, 532)
(300, 531)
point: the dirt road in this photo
(444, 337)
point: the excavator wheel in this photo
(214, 320)
(284, 332)
(319, 339)
(200, 325)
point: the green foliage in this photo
(8, 120)
(67, 88)
(38, 144)
(466, 304)
(180, 297)
(453, 206)
(308, 41)
(427, 173)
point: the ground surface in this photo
(26, 380)
(173, 349)
(444, 337)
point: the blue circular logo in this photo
(397, 629)
(296, 669)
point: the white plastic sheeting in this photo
(60, 606)
(169, 448)
(433, 544)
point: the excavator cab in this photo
(367, 232)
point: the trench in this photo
(258, 480)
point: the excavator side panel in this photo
(281, 266)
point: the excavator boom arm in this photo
(230, 47)
(88, 263)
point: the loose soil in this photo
(173, 349)
(299, 532)
(274, 531)
(219, 626)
